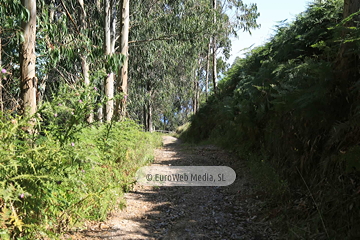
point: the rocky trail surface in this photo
(231, 212)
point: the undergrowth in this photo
(64, 170)
(285, 109)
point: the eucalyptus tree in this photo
(122, 78)
(169, 48)
(163, 51)
(214, 71)
(109, 50)
(28, 81)
(12, 15)
(84, 58)
(230, 16)
(75, 48)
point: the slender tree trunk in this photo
(149, 107)
(214, 72)
(52, 11)
(197, 96)
(145, 117)
(109, 46)
(196, 89)
(85, 71)
(164, 121)
(122, 81)
(100, 114)
(98, 5)
(207, 70)
(28, 81)
(198, 85)
(149, 118)
(42, 82)
(84, 62)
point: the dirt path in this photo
(232, 212)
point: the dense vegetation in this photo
(73, 74)
(291, 107)
(69, 172)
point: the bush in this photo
(65, 171)
(284, 101)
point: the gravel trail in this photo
(231, 212)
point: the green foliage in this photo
(267, 177)
(284, 101)
(168, 54)
(65, 171)
(64, 115)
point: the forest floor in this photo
(181, 212)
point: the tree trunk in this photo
(28, 81)
(42, 83)
(122, 81)
(214, 72)
(84, 63)
(98, 5)
(197, 95)
(149, 117)
(52, 11)
(164, 121)
(85, 71)
(207, 70)
(145, 117)
(196, 88)
(109, 46)
(149, 107)
(100, 114)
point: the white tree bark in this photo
(109, 47)
(28, 82)
(214, 72)
(84, 62)
(207, 70)
(122, 81)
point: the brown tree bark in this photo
(28, 81)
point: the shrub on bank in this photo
(64, 170)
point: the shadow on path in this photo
(231, 212)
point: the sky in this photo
(271, 12)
